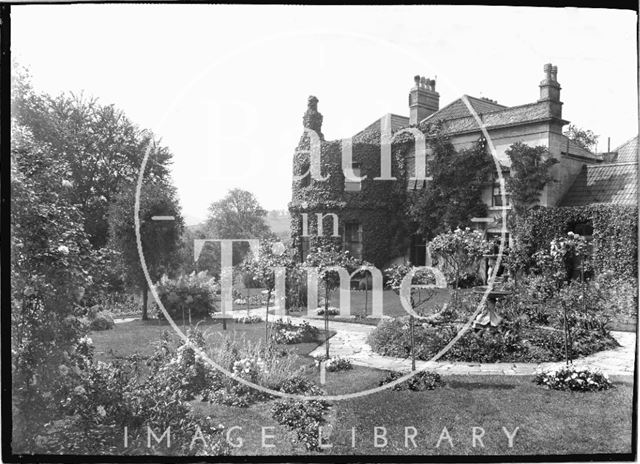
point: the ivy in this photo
(615, 233)
(529, 174)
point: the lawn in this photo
(550, 422)
(137, 337)
(560, 422)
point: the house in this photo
(370, 212)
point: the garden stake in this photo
(413, 351)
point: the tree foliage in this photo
(101, 149)
(583, 137)
(160, 239)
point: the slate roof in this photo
(628, 151)
(397, 122)
(614, 183)
(457, 109)
(501, 117)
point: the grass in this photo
(550, 422)
(560, 422)
(137, 337)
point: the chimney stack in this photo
(423, 99)
(550, 90)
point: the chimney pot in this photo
(423, 99)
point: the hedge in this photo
(615, 234)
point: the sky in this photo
(225, 86)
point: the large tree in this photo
(160, 239)
(100, 147)
(236, 216)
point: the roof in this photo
(397, 122)
(502, 117)
(628, 151)
(615, 183)
(458, 109)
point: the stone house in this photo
(366, 216)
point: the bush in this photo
(304, 417)
(571, 378)
(103, 320)
(424, 380)
(392, 338)
(289, 333)
(187, 296)
(299, 385)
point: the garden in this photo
(97, 368)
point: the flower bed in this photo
(252, 319)
(289, 333)
(511, 344)
(571, 378)
(331, 311)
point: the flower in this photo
(64, 370)
(101, 411)
(80, 390)
(63, 249)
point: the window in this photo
(353, 238)
(497, 195)
(304, 248)
(351, 186)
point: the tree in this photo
(582, 137)
(454, 195)
(459, 250)
(100, 147)
(238, 215)
(529, 174)
(271, 255)
(160, 239)
(324, 258)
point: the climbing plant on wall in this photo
(454, 195)
(529, 174)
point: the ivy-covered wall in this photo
(615, 233)
(378, 206)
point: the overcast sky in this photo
(225, 87)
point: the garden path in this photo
(350, 341)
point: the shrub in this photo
(299, 385)
(304, 417)
(334, 364)
(572, 378)
(187, 296)
(103, 320)
(392, 338)
(424, 380)
(331, 311)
